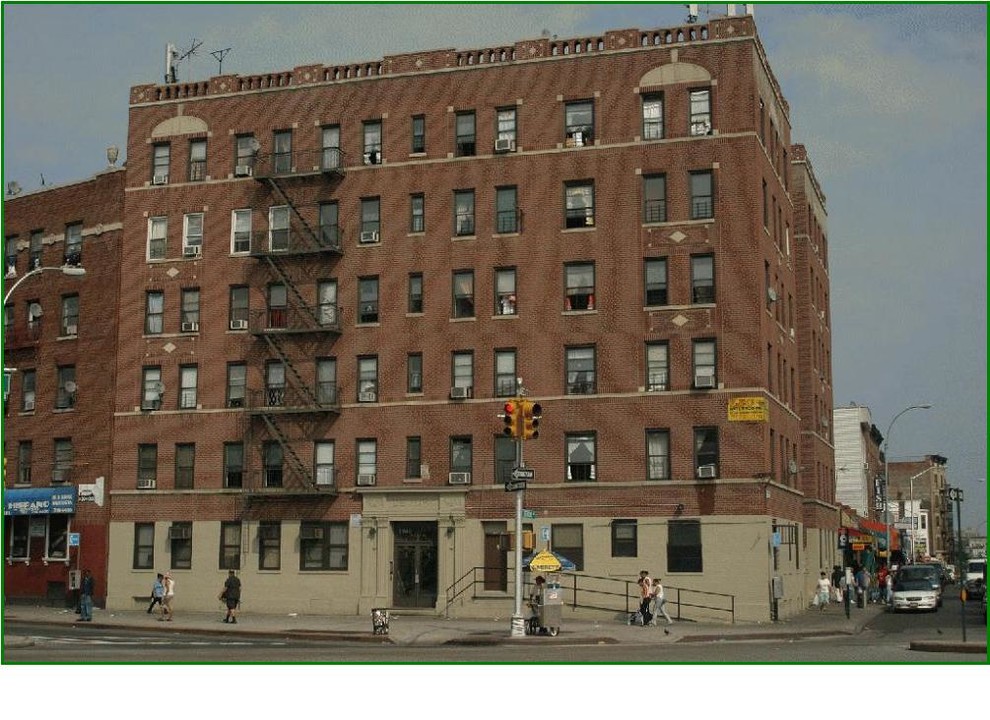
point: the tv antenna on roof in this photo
(173, 58)
(219, 55)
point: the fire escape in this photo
(295, 402)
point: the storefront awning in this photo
(39, 501)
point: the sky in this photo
(890, 101)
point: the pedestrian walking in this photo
(659, 602)
(231, 595)
(169, 597)
(157, 593)
(823, 591)
(645, 596)
(86, 589)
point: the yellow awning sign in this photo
(748, 409)
(544, 562)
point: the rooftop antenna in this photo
(219, 55)
(173, 58)
(692, 13)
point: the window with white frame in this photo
(323, 471)
(579, 123)
(160, 158)
(580, 369)
(240, 231)
(236, 384)
(579, 286)
(367, 456)
(703, 352)
(505, 129)
(152, 388)
(278, 228)
(197, 160)
(188, 380)
(579, 204)
(192, 234)
(462, 370)
(653, 116)
(330, 141)
(701, 112)
(505, 291)
(580, 456)
(505, 373)
(190, 310)
(157, 238)
(657, 454)
(367, 380)
(657, 367)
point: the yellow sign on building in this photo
(748, 409)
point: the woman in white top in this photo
(824, 589)
(659, 602)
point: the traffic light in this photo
(532, 414)
(510, 417)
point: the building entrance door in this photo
(496, 571)
(414, 584)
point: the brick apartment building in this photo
(921, 485)
(60, 339)
(336, 274)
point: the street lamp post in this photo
(886, 472)
(73, 270)
(956, 494)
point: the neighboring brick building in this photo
(60, 338)
(923, 482)
(336, 274)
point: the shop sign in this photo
(40, 501)
(748, 409)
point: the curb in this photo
(948, 646)
(478, 640)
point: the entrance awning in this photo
(40, 501)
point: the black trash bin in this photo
(379, 621)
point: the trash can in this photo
(379, 621)
(551, 607)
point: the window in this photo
(465, 134)
(197, 160)
(706, 452)
(580, 457)
(192, 234)
(654, 198)
(36, 250)
(568, 540)
(144, 546)
(326, 381)
(505, 291)
(464, 212)
(185, 465)
(702, 201)
(624, 538)
(322, 545)
(147, 465)
(19, 548)
(655, 272)
(238, 311)
(70, 315)
(463, 287)
(282, 152)
(657, 455)
(702, 279)
(579, 286)
(367, 457)
(269, 545)
(368, 300)
(154, 312)
(230, 546)
(329, 225)
(28, 386)
(414, 457)
(10, 253)
(703, 352)
(245, 152)
(66, 396)
(506, 210)
(579, 201)
(701, 112)
(323, 463)
(579, 123)
(505, 373)
(653, 117)
(415, 304)
(180, 540)
(330, 141)
(233, 465)
(272, 464)
(152, 388)
(157, 241)
(417, 217)
(580, 368)
(278, 306)
(278, 228)
(414, 373)
(160, 158)
(240, 231)
(505, 129)
(371, 224)
(462, 370)
(64, 459)
(274, 383)
(368, 379)
(236, 384)
(25, 450)
(188, 378)
(190, 310)
(505, 458)
(73, 244)
(460, 454)
(684, 546)
(373, 142)
(418, 135)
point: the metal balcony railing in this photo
(299, 164)
(284, 399)
(294, 319)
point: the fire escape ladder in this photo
(314, 239)
(276, 264)
(295, 463)
(295, 379)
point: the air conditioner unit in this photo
(370, 396)
(505, 145)
(190, 327)
(460, 393)
(238, 324)
(71, 329)
(578, 139)
(60, 475)
(704, 379)
(235, 402)
(155, 404)
(792, 333)
(311, 533)
(369, 236)
(459, 478)
(771, 294)
(366, 479)
(159, 180)
(324, 476)
(657, 381)
(180, 532)
(146, 483)
(243, 171)
(706, 471)
(29, 405)
(372, 158)
(192, 251)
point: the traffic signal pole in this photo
(518, 622)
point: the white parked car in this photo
(914, 594)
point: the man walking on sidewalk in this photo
(231, 595)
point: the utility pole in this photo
(957, 495)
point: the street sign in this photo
(843, 538)
(529, 514)
(545, 533)
(521, 473)
(514, 485)
(73, 539)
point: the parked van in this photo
(929, 573)
(975, 578)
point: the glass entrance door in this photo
(414, 582)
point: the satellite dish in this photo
(158, 387)
(70, 386)
(35, 310)
(254, 145)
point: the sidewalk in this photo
(410, 629)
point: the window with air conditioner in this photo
(190, 310)
(459, 478)
(147, 465)
(245, 153)
(365, 479)
(366, 452)
(505, 129)
(367, 300)
(238, 307)
(323, 546)
(160, 158)
(704, 360)
(579, 123)
(706, 450)
(461, 454)
(371, 220)
(462, 375)
(701, 112)
(367, 380)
